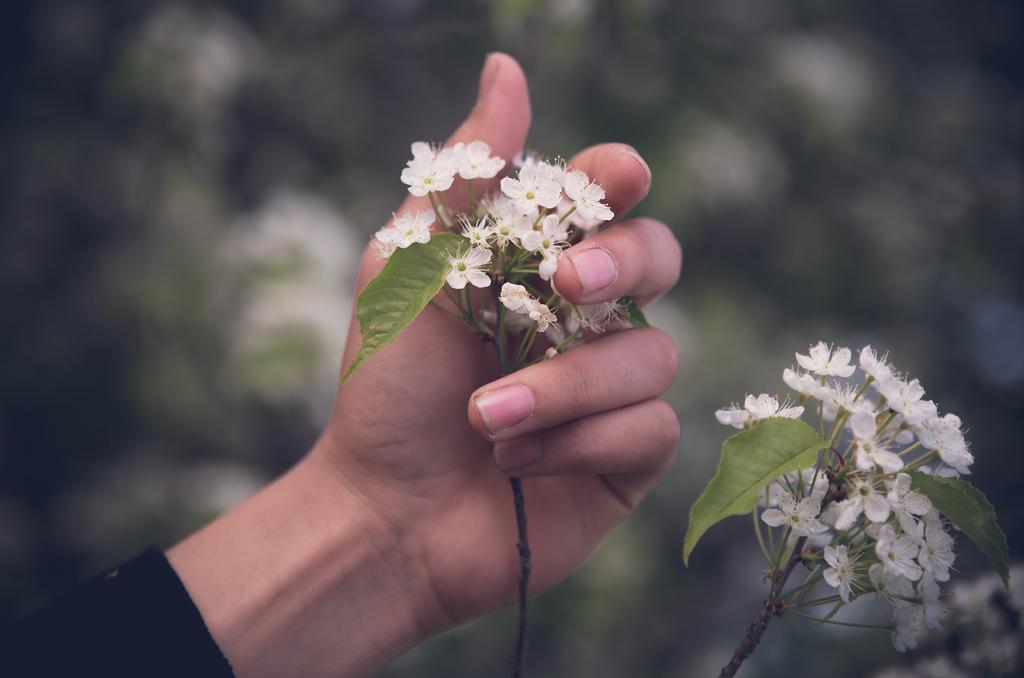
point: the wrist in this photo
(304, 578)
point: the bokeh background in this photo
(184, 188)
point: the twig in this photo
(523, 543)
(525, 565)
(772, 606)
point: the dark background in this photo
(185, 187)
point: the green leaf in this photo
(398, 293)
(635, 316)
(969, 510)
(751, 460)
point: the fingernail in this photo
(488, 76)
(515, 455)
(643, 165)
(595, 268)
(505, 407)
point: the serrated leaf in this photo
(403, 288)
(970, 511)
(751, 460)
(635, 316)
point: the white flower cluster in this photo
(985, 634)
(522, 229)
(867, 526)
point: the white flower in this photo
(801, 517)
(509, 224)
(477, 234)
(811, 481)
(867, 450)
(475, 160)
(936, 556)
(574, 219)
(805, 384)
(552, 171)
(905, 397)
(531, 188)
(514, 297)
(904, 437)
(862, 497)
(550, 352)
(877, 368)
(933, 611)
(907, 616)
(756, 408)
(382, 242)
(943, 435)
(848, 398)
(826, 363)
(596, 317)
(840, 575)
(909, 621)
(807, 482)
(586, 196)
(542, 315)
(466, 268)
(734, 416)
(890, 585)
(408, 229)
(430, 169)
(897, 553)
(765, 406)
(907, 503)
(548, 243)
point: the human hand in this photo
(399, 522)
(592, 439)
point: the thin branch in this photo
(773, 606)
(523, 543)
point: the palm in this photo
(401, 421)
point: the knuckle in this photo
(663, 352)
(667, 425)
(581, 378)
(664, 246)
(666, 436)
(677, 259)
(630, 249)
(580, 444)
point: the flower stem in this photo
(524, 347)
(880, 627)
(523, 548)
(437, 210)
(827, 600)
(523, 543)
(920, 461)
(567, 215)
(760, 538)
(806, 587)
(772, 606)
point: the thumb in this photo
(500, 117)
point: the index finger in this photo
(640, 257)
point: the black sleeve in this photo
(134, 620)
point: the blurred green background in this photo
(186, 186)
